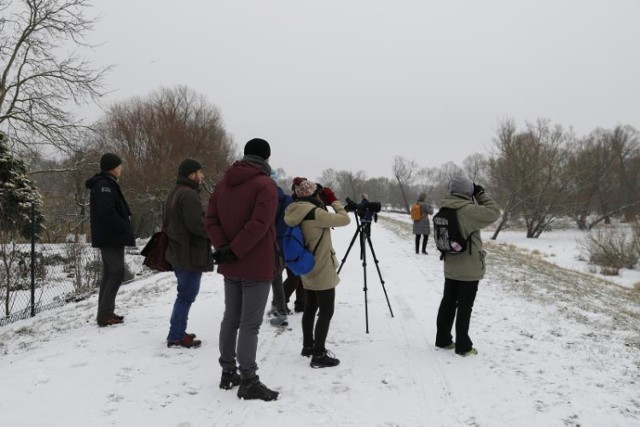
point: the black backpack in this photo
(447, 235)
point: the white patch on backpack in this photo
(105, 189)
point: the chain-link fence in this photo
(37, 276)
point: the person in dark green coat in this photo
(189, 251)
(463, 271)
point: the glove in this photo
(477, 189)
(224, 255)
(327, 195)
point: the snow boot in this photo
(279, 320)
(252, 388)
(471, 352)
(326, 359)
(447, 347)
(111, 320)
(186, 342)
(306, 351)
(229, 379)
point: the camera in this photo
(365, 210)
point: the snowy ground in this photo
(556, 348)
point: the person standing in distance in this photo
(111, 231)
(189, 250)
(422, 226)
(463, 271)
(240, 222)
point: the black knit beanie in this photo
(188, 166)
(109, 161)
(258, 147)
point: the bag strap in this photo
(318, 244)
(308, 216)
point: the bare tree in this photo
(530, 173)
(153, 135)
(37, 81)
(588, 168)
(405, 173)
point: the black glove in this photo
(224, 255)
(477, 189)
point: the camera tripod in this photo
(364, 233)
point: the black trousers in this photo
(112, 276)
(424, 242)
(293, 284)
(457, 302)
(322, 302)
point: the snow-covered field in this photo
(556, 348)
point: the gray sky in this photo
(350, 84)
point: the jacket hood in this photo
(456, 201)
(297, 210)
(243, 171)
(96, 178)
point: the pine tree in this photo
(17, 193)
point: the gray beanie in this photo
(461, 185)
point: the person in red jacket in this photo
(240, 222)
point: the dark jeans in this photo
(323, 303)
(291, 284)
(424, 242)
(457, 295)
(244, 302)
(112, 276)
(188, 288)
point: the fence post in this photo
(33, 259)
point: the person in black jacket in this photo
(111, 231)
(189, 250)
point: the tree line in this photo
(538, 172)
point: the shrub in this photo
(613, 248)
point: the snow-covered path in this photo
(536, 366)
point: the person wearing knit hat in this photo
(304, 187)
(188, 166)
(189, 250)
(473, 210)
(462, 185)
(258, 147)
(109, 161)
(309, 211)
(240, 222)
(111, 231)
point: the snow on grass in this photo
(556, 347)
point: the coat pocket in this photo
(199, 253)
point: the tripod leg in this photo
(363, 256)
(353, 239)
(373, 253)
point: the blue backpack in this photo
(296, 256)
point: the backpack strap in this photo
(309, 216)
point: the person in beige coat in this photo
(310, 212)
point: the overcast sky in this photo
(350, 84)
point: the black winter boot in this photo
(229, 379)
(252, 388)
(324, 360)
